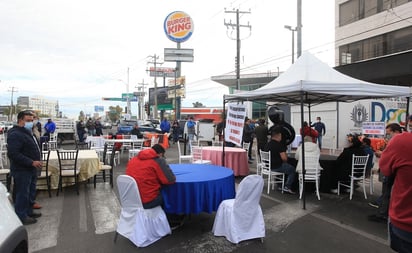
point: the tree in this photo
(198, 105)
(114, 113)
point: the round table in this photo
(198, 188)
(235, 158)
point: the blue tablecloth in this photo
(198, 188)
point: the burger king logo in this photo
(178, 26)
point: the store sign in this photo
(178, 26)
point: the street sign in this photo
(132, 97)
(179, 51)
(178, 54)
(112, 99)
(162, 72)
(179, 93)
(165, 107)
(181, 58)
(179, 81)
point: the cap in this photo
(159, 149)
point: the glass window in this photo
(371, 8)
(348, 12)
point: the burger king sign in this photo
(178, 26)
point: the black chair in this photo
(106, 166)
(68, 167)
(82, 145)
(44, 177)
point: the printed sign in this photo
(234, 123)
(178, 26)
(373, 128)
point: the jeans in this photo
(191, 138)
(320, 141)
(401, 241)
(25, 192)
(290, 171)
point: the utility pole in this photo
(237, 26)
(11, 90)
(141, 90)
(154, 57)
(299, 28)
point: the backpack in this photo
(190, 124)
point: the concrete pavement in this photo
(86, 223)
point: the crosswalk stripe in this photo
(50, 222)
(105, 208)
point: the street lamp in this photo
(127, 95)
(293, 30)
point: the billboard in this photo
(162, 97)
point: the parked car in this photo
(126, 126)
(13, 235)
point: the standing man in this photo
(248, 138)
(191, 131)
(50, 127)
(25, 159)
(262, 133)
(165, 126)
(279, 158)
(396, 162)
(320, 127)
(80, 127)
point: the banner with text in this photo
(235, 121)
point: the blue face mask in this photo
(28, 126)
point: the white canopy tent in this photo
(309, 81)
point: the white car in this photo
(13, 235)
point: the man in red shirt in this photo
(150, 171)
(396, 161)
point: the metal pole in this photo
(293, 46)
(299, 28)
(175, 95)
(155, 90)
(127, 96)
(237, 51)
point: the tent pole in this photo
(303, 148)
(407, 113)
(224, 130)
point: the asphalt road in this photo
(87, 223)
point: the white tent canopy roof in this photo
(318, 83)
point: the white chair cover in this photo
(241, 218)
(141, 226)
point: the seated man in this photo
(279, 158)
(151, 172)
(136, 131)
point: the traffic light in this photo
(146, 108)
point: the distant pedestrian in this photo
(80, 127)
(165, 126)
(176, 131)
(49, 128)
(191, 131)
(99, 127)
(321, 129)
(91, 127)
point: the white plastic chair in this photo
(358, 174)
(312, 173)
(141, 226)
(241, 218)
(182, 157)
(273, 176)
(259, 163)
(197, 156)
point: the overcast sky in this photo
(76, 51)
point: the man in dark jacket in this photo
(248, 137)
(25, 159)
(150, 171)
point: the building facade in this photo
(44, 107)
(373, 40)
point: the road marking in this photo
(44, 233)
(352, 229)
(105, 208)
(82, 213)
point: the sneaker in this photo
(251, 158)
(28, 221)
(377, 218)
(35, 215)
(36, 206)
(374, 204)
(250, 162)
(287, 190)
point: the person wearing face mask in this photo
(382, 203)
(25, 159)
